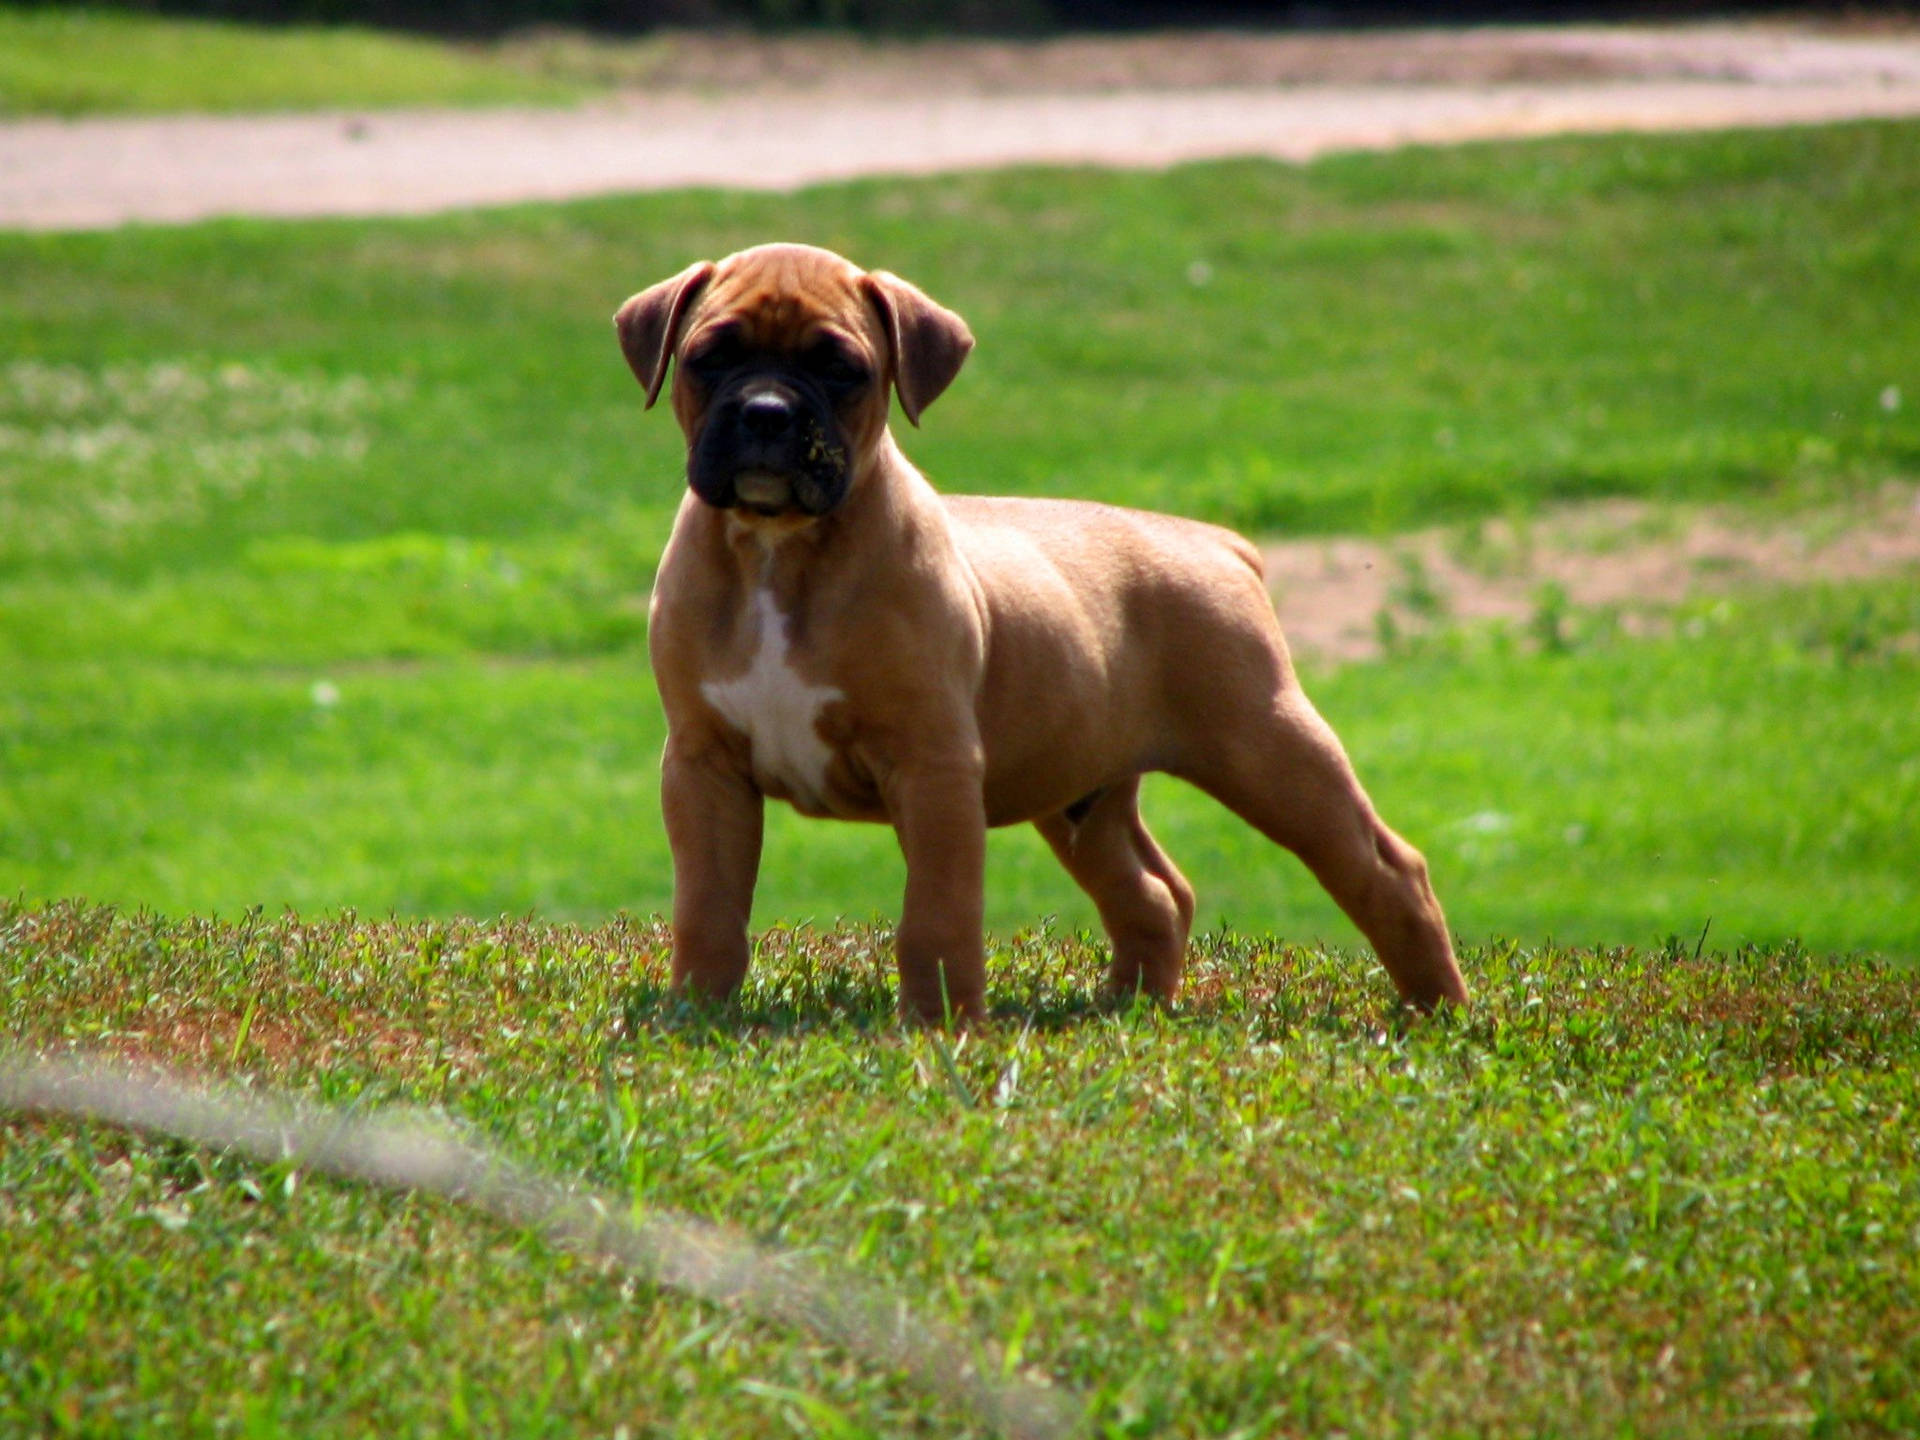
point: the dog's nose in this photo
(767, 414)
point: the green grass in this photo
(1381, 341)
(323, 553)
(402, 462)
(65, 61)
(1755, 769)
(1638, 1192)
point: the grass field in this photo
(1756, 769)
(67, 61)
(1639, 1192)
(323, 556)
(322, 583)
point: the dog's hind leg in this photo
(1145, 904)
(1283, 771)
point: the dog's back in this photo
(1109, 628)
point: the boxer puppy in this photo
(828, 631)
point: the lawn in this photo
(1640, 1192)
(323, 583)
(64, 60)
(324, 550)
(1377, 341)
(1756, 768)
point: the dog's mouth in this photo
(775, 490)
(764, 492)
(769, 448)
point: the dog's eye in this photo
(837, 372)
(720, 354)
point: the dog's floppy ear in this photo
(649, 324)
(929, 341)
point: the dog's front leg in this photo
(940, 817)
(714, 821)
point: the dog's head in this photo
(784, 356)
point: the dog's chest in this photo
(778, 711)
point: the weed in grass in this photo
(1416, 591)
(1873, 627)
(1552, 615)
(1418, 597)
(1386, 631)
(1494, 548)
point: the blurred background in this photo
(1561, 358)
(957, 16)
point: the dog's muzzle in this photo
(769, 443)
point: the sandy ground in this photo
(745, 114)
(1627, 556)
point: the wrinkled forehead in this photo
(782, 296)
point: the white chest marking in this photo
(777, 710)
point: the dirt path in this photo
(775, 117)
(1626, 556)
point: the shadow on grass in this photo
(805, 982)
(1559, 1012)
